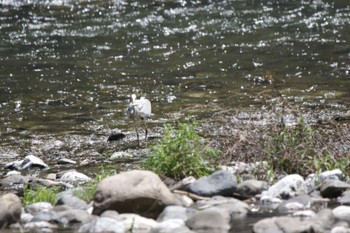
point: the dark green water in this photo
(67, 64)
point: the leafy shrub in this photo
(181, 153)
(293, 150)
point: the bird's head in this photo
(133, 97)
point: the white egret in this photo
(139, 110)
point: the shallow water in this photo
(68, 68)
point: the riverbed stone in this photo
(344, 198)
(176, 212)
(168, 226)
(335, 174)
(74, 177)
(136, 191)
(289, 186)
(38, 207)
(232, 207)
(42, 226)
(209, 221)
(29, 162)
(342, 213)
(10, 209)
(73, 216)
(72, 201)
(297, 203)
(250, 188)
(137, 223)
(221, 183)
(14, 182)
(285, 224)
(332, 188)
(102, 224)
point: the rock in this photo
(29, 162)
(300, 202)
(39, 226)
(285, 225)
(345, 198)
(14, 182)
(228, 206)
(333, 188)
(340, 229)
(10, 210)
(168, 226)
(102, 224)
(72, 201)
(136, 223)
(74, 177)
(73, 216)
(335, 174)
(221, 183)
(342, 213)
(250, 188)
(38, 207)
(121, 155)
(210, 221)
(176, 212)
(143, 192)
(25, 217)
(289, 186)
(65, 161)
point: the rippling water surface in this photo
(69, 63)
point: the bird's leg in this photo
(146, 131)
(137, 135)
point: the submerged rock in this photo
(102, 224)
(142, 192)
(209, 221)
(221, 183)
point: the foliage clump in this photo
(181, 152)
(38, 193)
(294, 150)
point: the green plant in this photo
(181, 153)
(38, 193)
(292, 149)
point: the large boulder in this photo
(136, 191)
(10, 210)
(220, 183)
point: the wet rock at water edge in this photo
(14, 182)
(250, 188)
(10, 210)
(229, 206)
(289, 186)
(72, 201)
(222, 183)
(28, 163)
(209, 221)
(286, 225)
(176, 212)
(333, 188)
(65, 161)
(143, 193)
(342, 213)
(137, 223)
(102, 224)
(36, 208)
(344, 198)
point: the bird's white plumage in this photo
(139, 109)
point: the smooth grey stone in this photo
(102, 224)
(221, 183)
(38, 207)
(209, 221)
(176, 212)
(333, 188)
